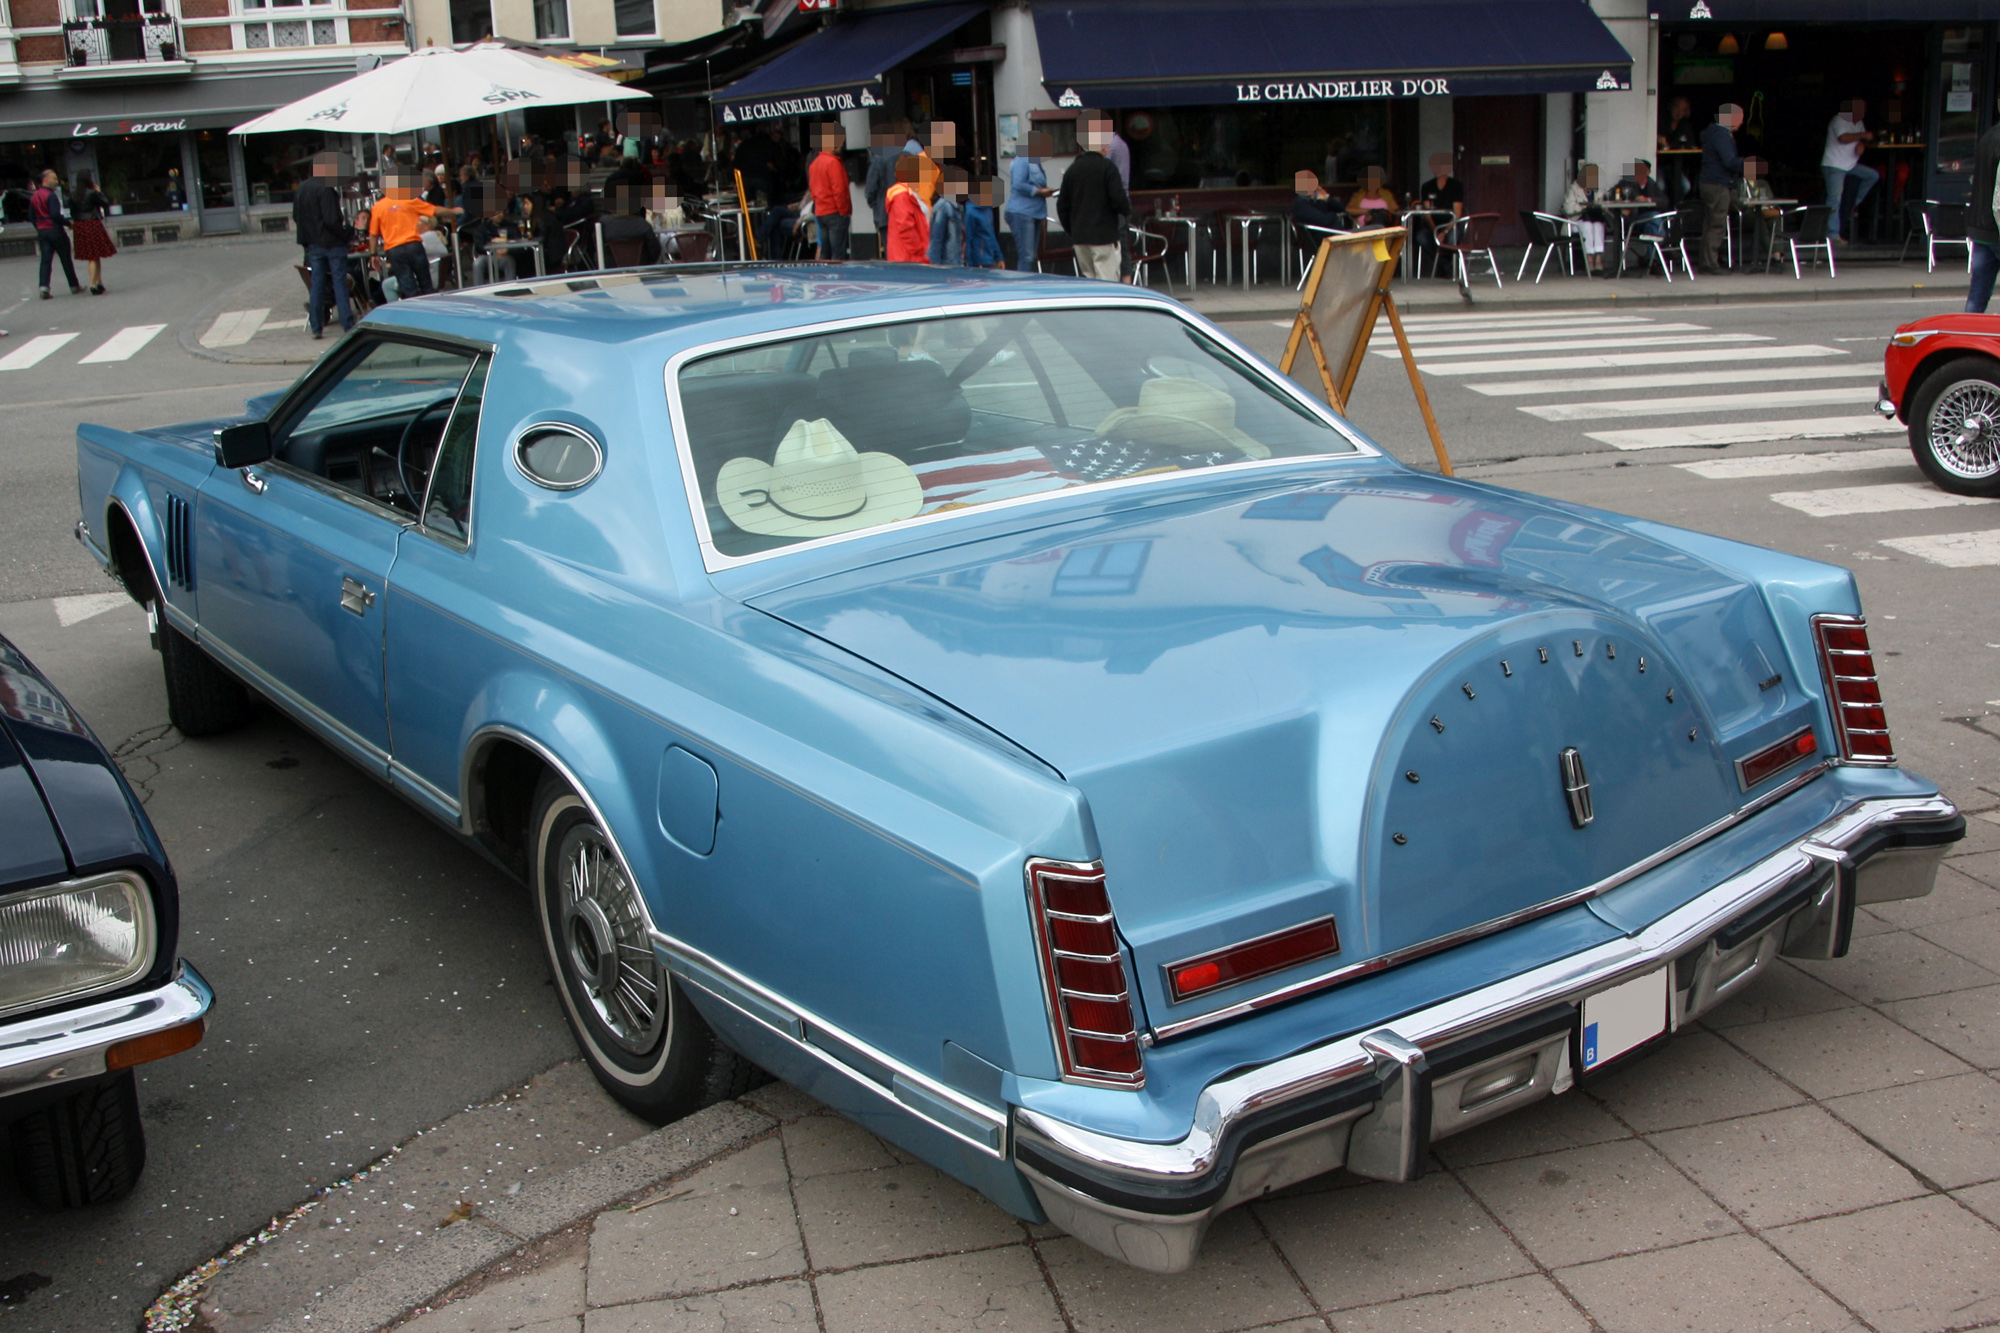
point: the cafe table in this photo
(1193, 227)
(1246, 225)
(1435, 216)
(532, 244)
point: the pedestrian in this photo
(1840, 164)
(1982, 227)
(45, 210)
(944, 144)
(982, 232)
(1028, 201)
(909, 233)
(832, 195)
(88, 207)
(1720, 169)
(947, 247)
(1093, 205)
(396, 237)
(324, 232)
(1586, 218)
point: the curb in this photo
(189, 333)
(443, 1259)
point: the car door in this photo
(295, 552)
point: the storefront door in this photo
(215, 188)
(1499, 159)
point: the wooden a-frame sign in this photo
(1347, 289)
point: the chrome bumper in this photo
(39, 1050)
(1375, 1102)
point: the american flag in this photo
(1107, 460)
(984, 478)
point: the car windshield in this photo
(814, 437)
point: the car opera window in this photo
(377, 426)
(814, 437)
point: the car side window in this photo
(374, 428)
(448, 505)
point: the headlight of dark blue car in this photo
(69, 940)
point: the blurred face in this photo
(1097, 135)
(48, 178)
(1441, 165)
(1640, 171)
(944, 139)
(1306, 183)
(1752, 168)
(1371, 179)
(1590, 178)
(1039, 144)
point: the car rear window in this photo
(841, 432)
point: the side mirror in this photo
(242, 445)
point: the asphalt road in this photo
(374, 977)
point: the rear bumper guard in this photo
(1375, 1102)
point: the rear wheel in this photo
(1955, 426)
(643, 1040)
(87, 1148)
(202, 698)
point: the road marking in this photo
(34, 351)
(75, 610)
(234, 328)
(1957, 550)
(268, 325)
(1612, 360)
(1572, 331)
(1708, 402)
(1786, 465)
(1743, 432)
(1675, 379)
(121, 345)
(1610, 344)
(1523, 318)
(1841, 500)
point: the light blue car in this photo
(1007, 710)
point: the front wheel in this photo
(1955, 426)
(202, 698)
(85, 1149)
(643, 1040)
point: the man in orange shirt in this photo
(393, 233)
(833, 205)
(909, 239)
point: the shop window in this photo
(275, 164)
(551, 20)
(471, 20)
(290, 24)
(634, 17)
(139, 173)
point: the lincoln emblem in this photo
(1576, 786)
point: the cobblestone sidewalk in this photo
(1821, 1154)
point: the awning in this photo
(213, 101)
(1827, 11)
(839, 68)
(1183, 52)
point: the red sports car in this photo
(1941, 376)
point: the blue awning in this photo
(839, 68)
(1185, 52)
(1827, 11)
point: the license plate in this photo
(1629, 1015)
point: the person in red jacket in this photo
(833, 206)
(909, 216)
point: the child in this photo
(909, 240)
(982, 232)
(947, 245)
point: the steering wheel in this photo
(403, 450)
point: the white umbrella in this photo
(440, 86)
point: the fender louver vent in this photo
(180, 543)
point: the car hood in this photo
(79, 796)
(1344, 698)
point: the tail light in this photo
(1860, 728)
(1083, 971)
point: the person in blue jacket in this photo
(1028, 201)
(982, 233)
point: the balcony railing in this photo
(117, 41)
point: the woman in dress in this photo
(88, 207)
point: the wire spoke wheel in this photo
(603, 940)
(1963, 430)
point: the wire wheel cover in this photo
(602, 938)
(1964, 434)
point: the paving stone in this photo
(993, 1291)
(733, 1225)
(1732, 1284)
(1782, 992)
(1957, 896)
(1903, 965)
(1912, 1267)
(547, 1300)
(1966, 1023)
(1982, 867)
(1383, 1242)
(1695, 1078)
(898, 1212)
(1787, 1166)
(1238, 1281)
(821, 1145)
(1948, 1129)
(1591, 1203)
(1982, 1199)
(1976, 938)
(1847, 1050)
(1866, 925)
(774, 1305)
(1517, 1305)
(1549, 1125)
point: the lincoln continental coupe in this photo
(1007, 710)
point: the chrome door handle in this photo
(354, 596)
(254, 480)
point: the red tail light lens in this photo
(1860, 727)
(1083, 970)
(1253, 958)
(1775, 758)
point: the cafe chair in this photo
(1915, 224)
(1806, 229)
(1671, 242)
(1475, 241)
(693, 245)
(1553, 235)
(1148, 248)
(1945, 224)
(625, 253)
(1306, 238)
(1054, 254)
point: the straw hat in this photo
(1179, 413)
(817, 486)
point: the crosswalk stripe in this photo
(1675, 379)
(1609, 344)
(233, 328)
(1896, 495)
(1612, 360)
(1531, 326)
(1707, 402)
(1787, 465)
(34, 351)
(1743, 432)
(121, 345)
(1956, 550)
(1455, 336)
(1520, 318)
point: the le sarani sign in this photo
(92, 129)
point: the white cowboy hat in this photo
(1182, 413)
(817, 486)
